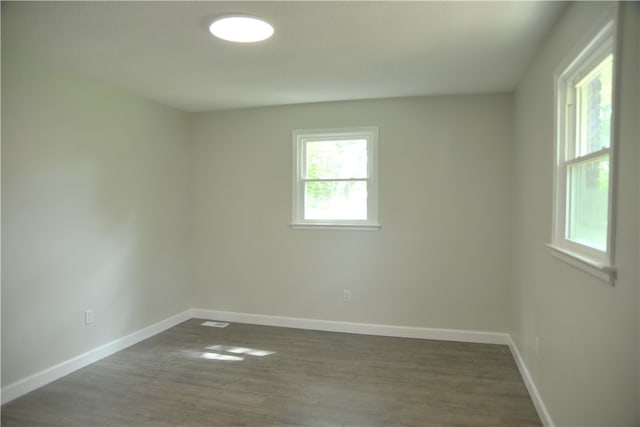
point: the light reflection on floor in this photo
(240, 350)
(219, 350)
(217, 356)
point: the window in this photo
(584, 172)
(335, 179)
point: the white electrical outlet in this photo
(346, 295)
(88, 316)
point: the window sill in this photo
(602, 271)
(368, 227)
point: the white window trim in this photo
(300, 136)
(599, 42)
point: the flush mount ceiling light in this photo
(241, 29)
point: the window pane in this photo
(588, 202)
(336, 159)
(335, 200)
(594, 109)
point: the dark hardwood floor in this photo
(267, 376)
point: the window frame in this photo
(595, 48)
(300, 138)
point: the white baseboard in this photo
(39, 379)
(356, 328)
(543, 412)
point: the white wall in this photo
(96, 206)
(586, 368)
(442, 256)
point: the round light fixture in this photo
(241, 29)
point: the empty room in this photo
(325, 213)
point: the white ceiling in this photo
(321, 51)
